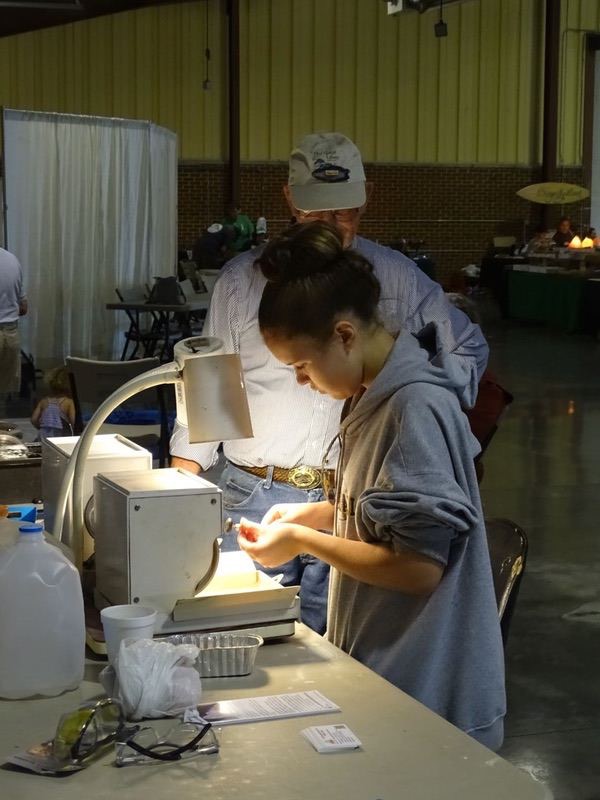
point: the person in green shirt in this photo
(243, 228)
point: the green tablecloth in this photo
(555, 299)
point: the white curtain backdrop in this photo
(91, 205)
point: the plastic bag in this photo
(153, 678)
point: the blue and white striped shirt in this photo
(293, 424)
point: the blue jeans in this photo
(245, 495)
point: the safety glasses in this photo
(328, 469)
(143, 745)
(341, 214)
(92, 726)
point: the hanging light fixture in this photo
(440, 28)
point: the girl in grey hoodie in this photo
(411, 593)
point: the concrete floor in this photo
(543, 472)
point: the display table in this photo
(408, 752)
(494, 276)
(553, 298)
(591, 307)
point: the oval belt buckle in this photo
(304, 477)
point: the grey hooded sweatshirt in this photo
(408, 481)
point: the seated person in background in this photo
(210, 250)
(564, 233)
(537, 242)
(260, 236)
(411, 592)
(243, 228)
(55, 415)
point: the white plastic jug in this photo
(42, 626)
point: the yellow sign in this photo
(556, 194)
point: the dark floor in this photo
(543, 472)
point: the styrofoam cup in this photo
(126, 622)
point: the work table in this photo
(408, 752)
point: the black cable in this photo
(206, 84)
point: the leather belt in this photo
(301, 477)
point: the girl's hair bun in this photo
(300, 252)
(311, 280)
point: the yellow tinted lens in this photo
(69, 730)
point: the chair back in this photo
(188, 271)
(92, 382)
(148, 338)
(508, 554)
(209, 278)
(504, 241)
(134, 294)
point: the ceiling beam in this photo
(31, 15)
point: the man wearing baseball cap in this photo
(295, 429)
(326, 173)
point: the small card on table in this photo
(331, 738)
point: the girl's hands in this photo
(270, 545)
(313, 515)
(286, 512)
(249, 531)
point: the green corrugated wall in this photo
(472, 97)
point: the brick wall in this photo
(455, 210)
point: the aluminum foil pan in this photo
(9, 439)
(222, 655)
(11, 448)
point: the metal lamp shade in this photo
(215, 397)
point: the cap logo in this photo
(330, 173)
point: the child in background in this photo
(411, 593)
(55, 415)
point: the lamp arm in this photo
(73, 477)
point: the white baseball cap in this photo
(326, 173)
(216, 227)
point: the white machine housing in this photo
(109, 453)
(155, 535)
(156, 541)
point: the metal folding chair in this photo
(93, 381)
(508, 554)
(147, 338)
